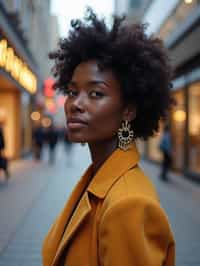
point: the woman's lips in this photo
(76, 123)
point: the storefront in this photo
(17, 85)
(180, 31)
(184, 127)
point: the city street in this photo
(37, 191)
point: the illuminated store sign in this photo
(17, 68)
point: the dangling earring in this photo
(125, 135)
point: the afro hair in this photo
(139, 62)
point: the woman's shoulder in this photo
(135, 193)
(134, 184)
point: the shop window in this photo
(178, 120)
(194, 128)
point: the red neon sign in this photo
(48, 87)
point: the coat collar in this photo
(115, 166)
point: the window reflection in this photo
(194, 128)
(178, 119)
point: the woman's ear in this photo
(129, 113)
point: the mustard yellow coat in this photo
(117, 222)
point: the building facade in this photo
(179, 27)
(39, 28)
(133, 9)
(25, 40)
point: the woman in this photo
(117, 83)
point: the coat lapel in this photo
(54, 238)
(113, 168)
(79, 215)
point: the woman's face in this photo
(94, 106)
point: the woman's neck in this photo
(100, 151)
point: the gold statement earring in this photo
(125, 135)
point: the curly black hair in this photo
(140, 64)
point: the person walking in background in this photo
(166, 149)
(38, 141)
(2, 141)
(52, 139)
(3, 159)
(68, 147)
(117, 80)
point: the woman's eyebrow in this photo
(73, 83)
(97, 82)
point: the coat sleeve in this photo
(135, 232)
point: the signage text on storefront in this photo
(10, 62)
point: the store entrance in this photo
(10, 118)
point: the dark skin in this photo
(95, 110)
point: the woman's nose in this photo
(78, 103)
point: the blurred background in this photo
(30, 29)
(32, 118)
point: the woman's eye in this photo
(70, 92)
(96, 94)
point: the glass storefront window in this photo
(178, 120)
(194, 128)
(26, 128)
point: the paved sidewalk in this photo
(36, 194)
(181, 198)
(18, 194)
(31, 201)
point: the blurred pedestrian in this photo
(117, 81)
(68, 147)
(166, 149)
(51, 139)
(38, 141)
(3, 159)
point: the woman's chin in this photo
(76, 139)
